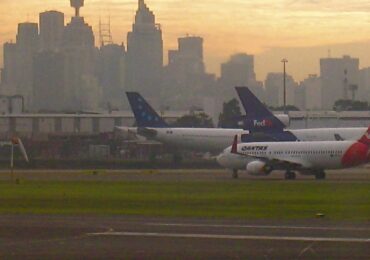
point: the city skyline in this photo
(267, 29)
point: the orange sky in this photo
(270, 29)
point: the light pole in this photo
(284, 61)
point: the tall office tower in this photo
(190, 54)
(274, 86)
(338, 75)
(313, 89)
(48, 81)
(9, 72)
(27, 46)
(239, 71)
(111, 71)
(81, 90)
(145, 54)
(185, 74)
(51, 30)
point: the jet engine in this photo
(258, 168)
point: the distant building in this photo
(338, 74)
(27, 46)
(274, 86)
(186, 74)
(11, 104)
(81, 84)
(9, 72)
(48, 81)
(111, 74)
(189, 54)
(51, 30)
(363, 93)
(145, 54)
(239, 71)
(313, 92)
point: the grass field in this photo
(244, 200)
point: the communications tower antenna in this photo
(105, 33)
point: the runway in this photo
(168, 238)
(212, 175)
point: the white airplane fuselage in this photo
(215, 140)
(309, 155)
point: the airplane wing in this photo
(139, 132)
(126, 129)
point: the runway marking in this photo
(232, 237)
(256, 226)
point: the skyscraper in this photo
(275, 89)
(313, 90)
(239, 71)
(78, 45)
(10, 66)
(185, 75)
(145, 54)
(51, 30)
(337, 74)
(27, 46)
(48, 81)
(111, 70)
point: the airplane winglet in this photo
(234, 148)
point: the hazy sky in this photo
(301, 30)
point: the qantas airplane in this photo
(308, 158)
(267, 128)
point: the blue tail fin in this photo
(259, 117)
(145, 115)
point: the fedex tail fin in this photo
(145, 115)
(365, 139)
(259, 117)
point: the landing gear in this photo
(235, 174)
(289, 175)
(320, 175)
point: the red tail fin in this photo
(365, 139)
(234, 148)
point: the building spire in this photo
(141, 4)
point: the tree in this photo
(196, 120)
(231, 114)
(288, 108)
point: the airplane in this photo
(307, 158)
(261, 119)
(214, 140)
(152, 126)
